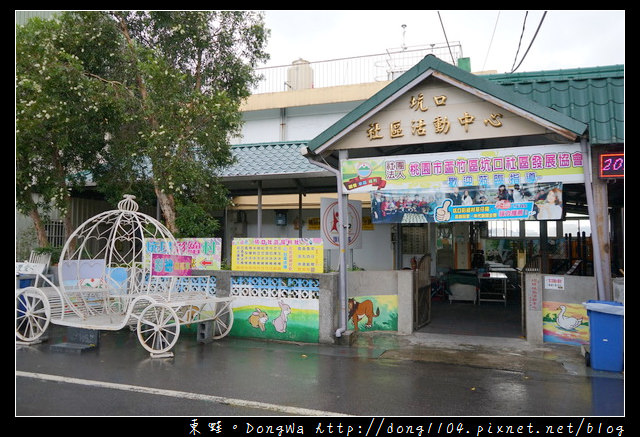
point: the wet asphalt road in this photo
(241, 377)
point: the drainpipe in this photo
(342, 280)
(259, 209)
(591, 208)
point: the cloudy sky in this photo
(565, 39)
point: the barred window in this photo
(55, 232)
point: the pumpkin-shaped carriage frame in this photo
(106, 282)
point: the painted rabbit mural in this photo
(280, 322)
(281, 318)
(258, 319)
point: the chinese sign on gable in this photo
(301, 255)
(436, 111)
(421, 122)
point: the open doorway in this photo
(471, 294)
(468, 318)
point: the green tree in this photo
(192, 72)
(134, 99)
(63, 112)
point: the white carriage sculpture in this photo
(106, 283)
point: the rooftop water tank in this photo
(300, 75)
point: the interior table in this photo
(488, 292)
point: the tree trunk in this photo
(168, 208)
(166, 201)
(43, 241)
(68, 225)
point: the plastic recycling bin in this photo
(24, 283)
(606, 335)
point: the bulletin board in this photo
(300, 255)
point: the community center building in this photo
(493, 200)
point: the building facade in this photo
(567, 113)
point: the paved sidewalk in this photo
(514, 354)
(367, 374)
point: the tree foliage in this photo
(62, 113)
(145, 102)
(193, 69)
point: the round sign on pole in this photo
(329, 223)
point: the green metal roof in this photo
(594, 96)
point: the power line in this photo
(445, 38)
(495, 26)
(531, 43)
(524, 23)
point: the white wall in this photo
(290, 124)
(260, 127)
(376, 252)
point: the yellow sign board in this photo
(300, 255)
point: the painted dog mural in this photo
(360, 310)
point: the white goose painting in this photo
(565, 322)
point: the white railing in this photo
(348, 71)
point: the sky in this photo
(490, 38)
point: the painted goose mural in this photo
(567, 323)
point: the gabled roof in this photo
(593, 96)
(488, 90)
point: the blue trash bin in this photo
(606, 335)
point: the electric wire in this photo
(524, 24)
(495, 26)
(531, 43)
(445, 38)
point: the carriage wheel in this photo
(158, 328)
(33, 314)
(223, 321)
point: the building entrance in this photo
(468, 318)
(468, 295)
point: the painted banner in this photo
(205, 252)
(302, 255)
(538, 201)
(329, 215)
(483, 168)
(170, 265)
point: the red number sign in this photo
(612, 165)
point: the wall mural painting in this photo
(373, 313)
(276, 319)
(565, 323)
